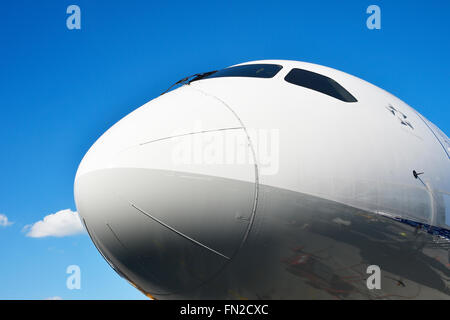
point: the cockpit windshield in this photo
(247, 70)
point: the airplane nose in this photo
(168, 193)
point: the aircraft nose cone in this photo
(168, 193)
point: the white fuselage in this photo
(200, 190)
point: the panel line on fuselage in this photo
(178, 232)
(190, 133)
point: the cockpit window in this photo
(247, 70)
(320, 83)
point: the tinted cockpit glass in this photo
(320, 83)
(248, 70)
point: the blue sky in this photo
(61, 89)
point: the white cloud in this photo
(53, 298)
(4, 221)
(60, 224)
